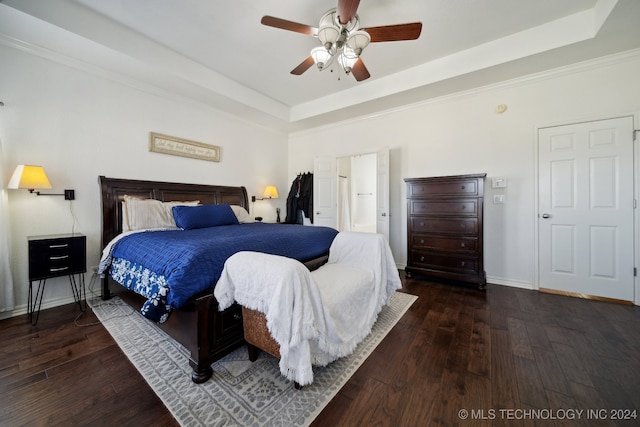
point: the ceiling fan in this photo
(342, 38)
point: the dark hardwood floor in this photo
(505, 356)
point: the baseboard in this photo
(22, 309)
(495, 280)
(510, 282)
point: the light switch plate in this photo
(499, 183)
(498, 199)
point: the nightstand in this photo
(56, 255)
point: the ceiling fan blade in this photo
(347, 10)
(304, 66)
(283, 24)
(359, 71)
(391, 33)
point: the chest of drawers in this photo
(444, 228)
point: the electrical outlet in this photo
(498, 199)
(69, 195)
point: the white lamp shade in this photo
(271, 192)
(328, 35)
(347, 59)
(320, 56)
(29, 177)
(358, 40)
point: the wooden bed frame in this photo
(205, 332)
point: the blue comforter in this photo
(170, 267)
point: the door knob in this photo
(546, 216)
(384, 214)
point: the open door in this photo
(382, 189)
(325, 192)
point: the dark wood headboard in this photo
(113, 191)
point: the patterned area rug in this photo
(240, 393)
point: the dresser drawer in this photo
(467, 245)
(444, 207)
(444, 262)
(465, 187)
(458, 226)
(56, 257)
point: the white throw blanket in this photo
(315, 317)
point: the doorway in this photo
(352, 193)
(586, 209)
(357, 193)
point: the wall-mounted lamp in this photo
(271, 192)
(34, 178)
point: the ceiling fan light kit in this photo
(344, 42)
(342, 38)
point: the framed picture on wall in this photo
(166, 144)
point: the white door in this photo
(325, 195)
(382, 192)
(586, 207)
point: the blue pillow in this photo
(201, 216)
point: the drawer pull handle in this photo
(422, 224)
(65, 245)
(462, 225)
(463, 207)
(421, 258)
(421, 241)
(462, 264)
(237, 316)
(55, 258)
(462, 187)
(462, 245)
(53, 270)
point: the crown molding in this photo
(579, 67)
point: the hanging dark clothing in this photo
(300, 199)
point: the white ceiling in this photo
(219, 53)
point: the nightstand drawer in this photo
(57, 256)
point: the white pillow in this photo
(149, 214)
(242, 214)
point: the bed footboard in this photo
(206, 333)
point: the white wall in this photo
(463, 134)
(79, 126)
